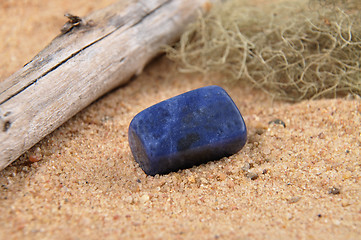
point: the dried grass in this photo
(303, 50)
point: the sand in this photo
(301, 181)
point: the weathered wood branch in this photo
(80, 65)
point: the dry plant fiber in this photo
(293, 51)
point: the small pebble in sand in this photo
(260, 128)
(259, 131)
(129, 199)
(278, 122)
(321, 135)
(230, 183)
(334, 191)
(145, 198)
(294, 199)
(337, 222)
(247, 166)
(347, 175)
(252, 175)
(345, 203)
(221, 176)
(34, 158)
(191, 179)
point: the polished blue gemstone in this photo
(187, 130)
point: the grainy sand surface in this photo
(301, 181)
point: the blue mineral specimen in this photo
(190, 129)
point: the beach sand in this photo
(301, 181)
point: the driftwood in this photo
(90, 57)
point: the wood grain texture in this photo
(77, 67)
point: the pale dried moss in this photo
(303, 50)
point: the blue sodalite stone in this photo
(186, 130)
